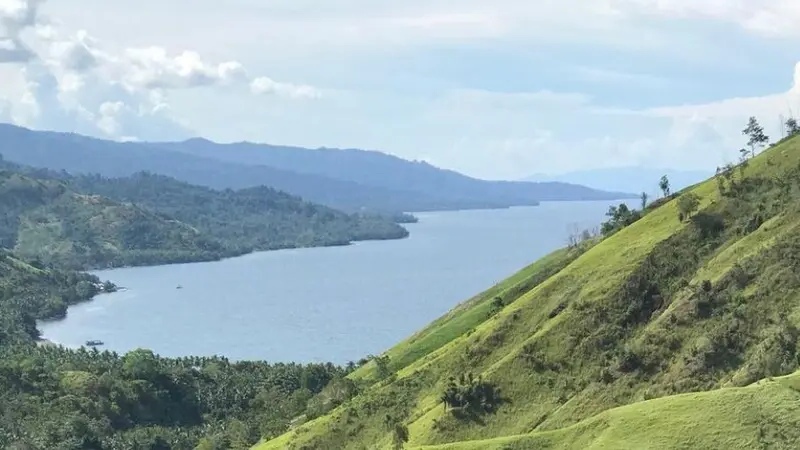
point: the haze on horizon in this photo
(500, 91)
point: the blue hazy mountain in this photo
(349, 180)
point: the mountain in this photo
(628, 179)
(354, 181)
(667, 332)
(92, 221)
(372, 168)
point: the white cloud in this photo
(127, 84)
(12, 50)
(265, 85)
(777, 18)
(511, 135)
(71, 81)
(153, 68)
(16, 16)
(77, 55)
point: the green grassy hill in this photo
(645, 338)
(763, 415)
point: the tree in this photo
(141, 364)
(743, 161)
(399, 431)
(743, 152)
(643, 198)
(687, 204)
(399, 436)
(469, 395)
(620, 217)
(664, 185)
(755, 132)
(792, 127)
(382, 366)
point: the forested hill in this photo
(91, 221)
(670, 330)
(52, 398)
(45, 221)
(257, 218)
(346, 180)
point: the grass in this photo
(763, 415)
(642, 341)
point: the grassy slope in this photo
(629, 331)
(763, 415)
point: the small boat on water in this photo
(179, 287)
(94, 343)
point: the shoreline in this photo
(243, 253)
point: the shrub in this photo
(688, 204)
(708, 225)
(497, 306)
(469, 396)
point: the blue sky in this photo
(499, 89)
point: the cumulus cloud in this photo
(12, 50)
(78, 54)
(83, 83)
(15, 16)
(71, 81)
(154, 68)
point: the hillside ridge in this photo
(696, 293)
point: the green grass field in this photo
(651, 338)
(764, 415)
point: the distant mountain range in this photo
(349, 180)
(627, 179)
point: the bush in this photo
(467, 395)
(708, 225)
(497, 306)
(687, 204)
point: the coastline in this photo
(238, 254)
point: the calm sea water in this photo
(322, 304)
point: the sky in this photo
(497, 90)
